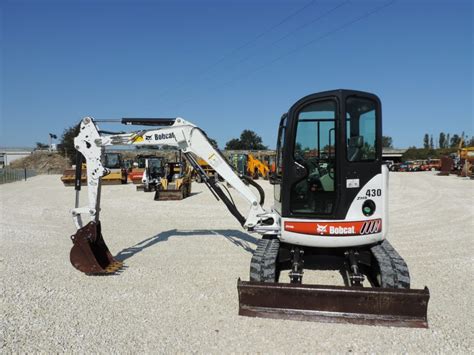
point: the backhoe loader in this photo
(330, 205)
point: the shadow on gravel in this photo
(238, 238)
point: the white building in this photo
(7, 155)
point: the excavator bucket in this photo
(372, 306)
(90, 254)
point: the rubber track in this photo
(264, 260)
(393, 269)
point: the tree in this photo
(248, 140)
(431, 142)
(387, 142)
(426, 141)
(213, 142)
(252, 141)
(447, 140)
(455, 139)
(442, 140)
(471, 142)
(66, 147)
(234, 144)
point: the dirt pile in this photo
(42, 163)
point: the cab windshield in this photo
(314, 151)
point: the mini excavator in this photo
(330, 206)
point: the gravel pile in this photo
(178, 292)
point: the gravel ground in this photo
(178, 292)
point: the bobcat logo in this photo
(321, 229)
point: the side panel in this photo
(355, 230)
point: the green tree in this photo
(66, 145)
(387, 142)
(233, 144)
(455, 139)
(431, 142)
(213, 142)
(248, 140)
(442, 140)
(426, 141)
(251, 140)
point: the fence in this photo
(11, 175)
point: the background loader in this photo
(175, 183)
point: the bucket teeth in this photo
(113, 267)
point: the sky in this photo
(230, 65)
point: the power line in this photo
(299, 28)
(235, 50)
(298, 48)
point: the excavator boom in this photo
(90, 253)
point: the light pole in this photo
(51, 137)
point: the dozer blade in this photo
(90, 254)
(168, 195)
(372, 306)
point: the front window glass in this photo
(360, 129)
(314, 151)
(112, 161)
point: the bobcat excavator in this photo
(330, 206)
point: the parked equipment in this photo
(331, 205)
(465, 159)
(256, 168)
(153, 171)
(206, 168)
(240, 163)
(139, 166)
(116, 172)
(176, 182)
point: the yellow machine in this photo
(118, 173)
(113, 162)
(465, 160)
(206, 168)
(69, 176)
(176, 183)
(256, 168)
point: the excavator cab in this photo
(330, 191)
(329, 148)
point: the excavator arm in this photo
(90, 143)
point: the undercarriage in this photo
(370, 275)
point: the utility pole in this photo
(51, 137)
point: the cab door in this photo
(311, 170)
(361, 148)
(276, 178)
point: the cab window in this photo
(360, 129)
